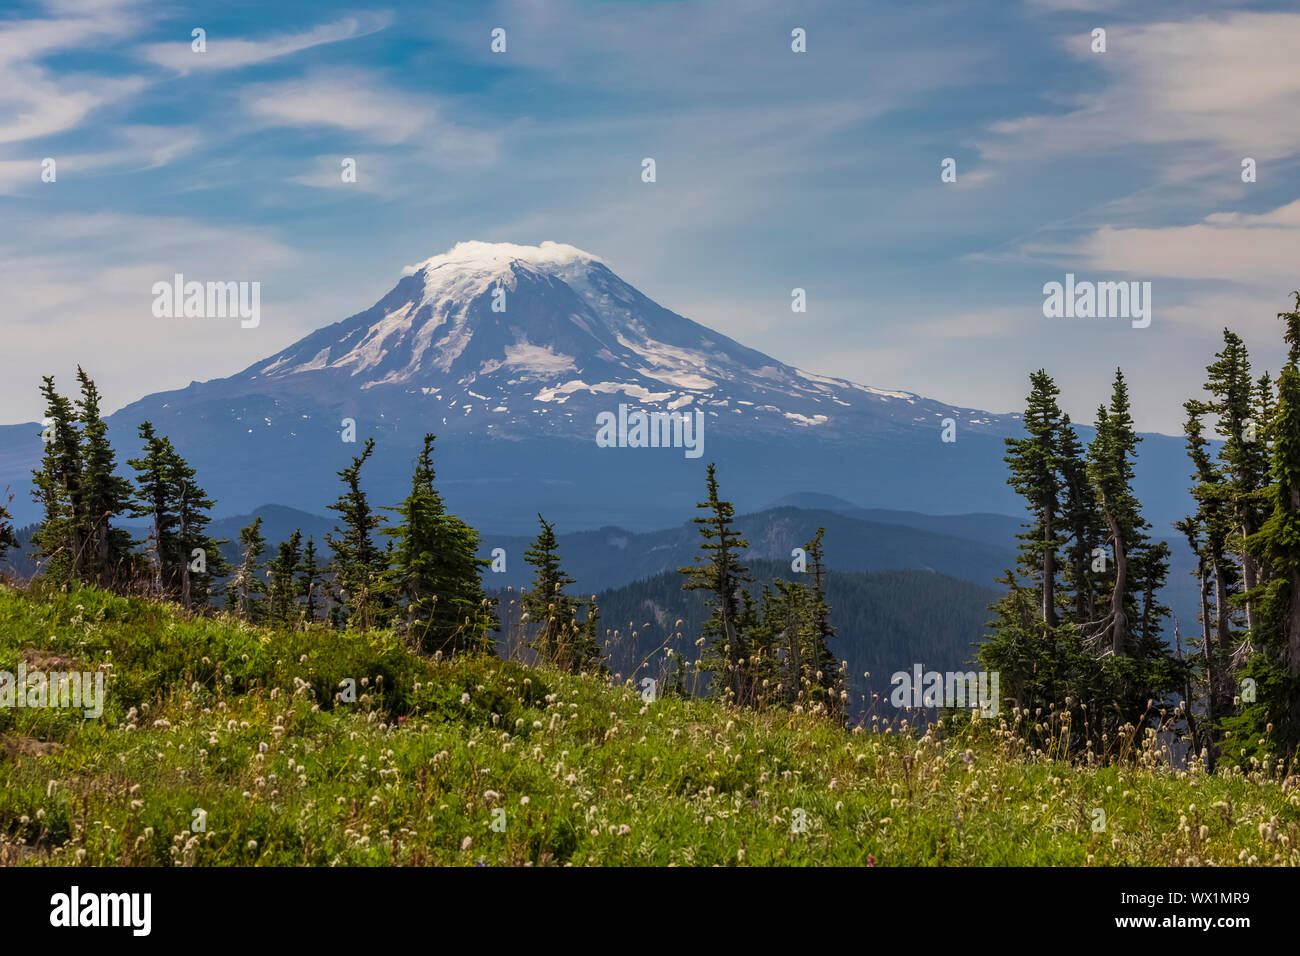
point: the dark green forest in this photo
(884, 621)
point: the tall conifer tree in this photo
(721, 575)
(358, 564)
(1271, 722)
(104, 497)
(435, 570)
(309, 583)
(1035, 474)
(57, 488)
(282, 590)
(548, 607)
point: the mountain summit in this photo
(509, 339)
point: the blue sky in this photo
(775, 170)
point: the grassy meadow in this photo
(223, 744)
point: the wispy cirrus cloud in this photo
(1211, 81)
(351, 100)
(137, 148)
(36, 101)
(363, 110)
(1243, 248)
(224, 53)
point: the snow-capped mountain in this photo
(509, 354)
(512, 340)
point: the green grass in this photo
(243, 724)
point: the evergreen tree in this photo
(358, 564)
(1038, 667)
(1037, 655)
(789, 611)
(823, 678)
(435, 570)
(548, 607)
(1048, 665)
(103, 495)
(200, 559)
(722, 576)
(1081, 521)
(1110, 468)
(1211, 669)
(1270, 724)
(1231, 492)
(282, 592)
(780, 646)
(584, 653)
(7, 537)
(1208, 531)
(245, 585)
(57, 488)
(1035, 474)
(1243, 457)
(822, 631)
(154, 500)
(184, 560)
(309, 582)
(1260, 430)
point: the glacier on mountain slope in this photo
(572, 333)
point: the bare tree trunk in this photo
(78, 559)
(1049, 573)
(1223, 629)
(1293, 616)
(185, 562)
(1205, 606)
(241, 587)
(1212, 677)
(157, 557)
(1250, 571)
(1119, 623)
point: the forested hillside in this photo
(885, 621)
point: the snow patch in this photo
(805, 420)
(533, 358)
(561, 393)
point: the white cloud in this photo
(1253, 316)
(141, 147)
(350, 101)
(231, 53)
(1213, 81)
(368, 111)
(1233, 247)
(34, 102)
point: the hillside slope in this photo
(222, 744)
(885, 621)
